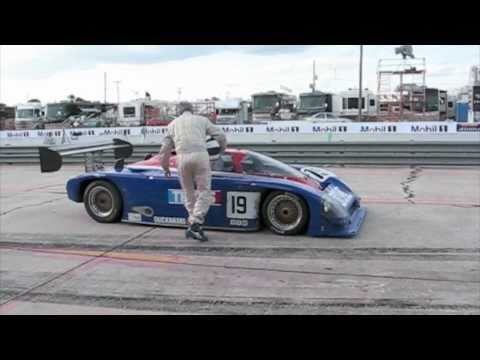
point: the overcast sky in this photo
(51, 73)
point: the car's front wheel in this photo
(103, 201)
(285, 213)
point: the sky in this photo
(52, 72)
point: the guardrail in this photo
(374, 153)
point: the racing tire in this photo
(103, 201)
(285, 213)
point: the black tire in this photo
(103, 201)
(285, 213)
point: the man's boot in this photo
(195, 231)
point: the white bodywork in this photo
(325, 117)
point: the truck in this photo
(29, 115)
(273, 105)
(205, 108)
(7, 117)
(58, 112)
(314, 102)
(442, 105)
(146, 112)
(231, 111)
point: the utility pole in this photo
(360, 85)
(118, 101)
(314, 78)
(105, 88)
(118, 91)
(179, 91)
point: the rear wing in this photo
(51, 158)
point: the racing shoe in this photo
(195, 231)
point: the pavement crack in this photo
(31, 205)
(409, 194)
(70, 270)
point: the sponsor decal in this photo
(238, 222)
(165, 220)
(429, 128)
(468, 127)
(143, 210)
(176, 197)
(238, 129)
(134, 217)
(113, 131)
(82, 132)
(153, 131)
(283, 129)
(378, 128)
(17, 134)
(328, 128)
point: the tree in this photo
(71, 98)
(33, 101)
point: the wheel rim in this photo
(100, 201)
(285, 212)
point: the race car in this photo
(249, 191)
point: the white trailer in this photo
(349, 103)
(28, 115)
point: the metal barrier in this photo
(362, 153)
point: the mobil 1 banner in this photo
(428, 127)
(294, 127)
(424, 127)
(372, 128)
(317, 128)
(476, 99)
(243, 129)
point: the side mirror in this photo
(119, 164)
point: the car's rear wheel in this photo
(285, 213)
(103, 201)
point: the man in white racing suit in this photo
(187, 134)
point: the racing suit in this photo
(187, 135)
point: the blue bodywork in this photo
(148, 188)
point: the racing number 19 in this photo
(239, 204)
(242, 205)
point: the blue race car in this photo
(250, 190)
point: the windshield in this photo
(25, 113)
(255, 163)
(57, 111)
(227, 112)
(312, 102)
(264, 102)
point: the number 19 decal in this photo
(242, 205)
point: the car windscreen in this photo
(255, 163)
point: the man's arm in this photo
(217, 134)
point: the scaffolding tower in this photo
(401, 89)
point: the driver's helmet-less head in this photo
(184, 106)
(213, 148)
